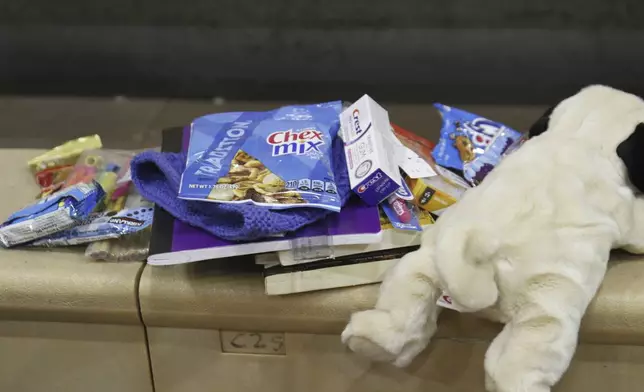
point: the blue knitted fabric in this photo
(157, 176)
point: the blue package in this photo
(135, 217)
(476, 170)
(395, 219)
(404, 192)
(465, 137)
(278, 159)
(52, 214)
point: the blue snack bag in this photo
(470, 143)
(402, 214)
(278, 159)
(400, 211)
(55, 213)
(505, 143)
(404, 192)
(137, 216)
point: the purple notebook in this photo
(174, 242)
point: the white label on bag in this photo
(37, 227)
(445, 301)
(408, 160)
(413, 164)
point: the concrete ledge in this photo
(204, 296)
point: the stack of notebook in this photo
(343, 265)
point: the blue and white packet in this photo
(475, 171)
(471, 144)
(55, 213)
(412, 224)
(135, 217)
(278, 159)
(404, 192)
(404, 195)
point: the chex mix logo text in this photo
(290, 142)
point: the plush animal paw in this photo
(375, 335)
(371, 333)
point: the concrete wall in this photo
(406, 50)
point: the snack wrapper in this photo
(64, 155)
(404, 192)
(99, 165)
(434, 194)
(133, 247)
(424, 218)
(505, 142)
(52, 168)
(94, 164)
(471, 144)
(135, 217)
(55, 213)
(278, 159)
(402, 214)
(52, 179)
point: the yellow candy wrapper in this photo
(436, 193)
(52, 168)
(66, 154)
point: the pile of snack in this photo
(86, 197)
(431, 177)
(267, 183)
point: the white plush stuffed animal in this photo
(528, 247)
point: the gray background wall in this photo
(405, 50)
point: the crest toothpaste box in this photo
(373, 171)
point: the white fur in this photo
(530, 245)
